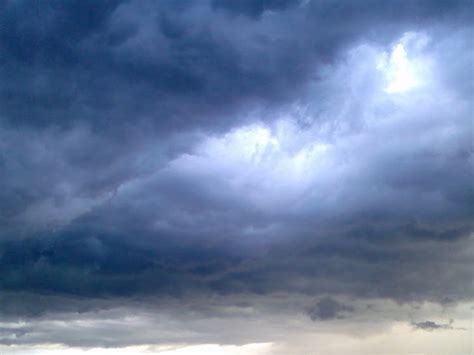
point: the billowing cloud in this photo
(306, 163)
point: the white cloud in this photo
(405, 71)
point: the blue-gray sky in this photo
(262, 175)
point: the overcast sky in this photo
(269, 177)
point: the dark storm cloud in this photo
(88, 84)
(123, 171)
(254, 8)
(74, 61)
(176, 64)
(110, 266)
(328, 308)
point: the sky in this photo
(254, 177)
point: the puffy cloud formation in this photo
(219, 172)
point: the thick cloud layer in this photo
(298, 158)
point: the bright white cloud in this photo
(405, 71)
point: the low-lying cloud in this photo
(291, 159)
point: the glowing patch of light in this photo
(267, 154)
(400, 75)
(249, 143)
(403, 71)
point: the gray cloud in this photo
(191, 150)
(328, 308)
(430, 325)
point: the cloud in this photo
(430, 325)
(328, 308)
(254, 8)
(289, 150)
(217, 218)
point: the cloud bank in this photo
(196, 170)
